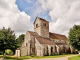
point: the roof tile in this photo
(44, 40)
(57, 36)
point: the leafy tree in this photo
(74, 37)
(20, 40)
(8, 52)
(7, 39)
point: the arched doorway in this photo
(51, 50)
(47, 51)
(17, 53)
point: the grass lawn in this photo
(29, 57)
(9, 58)
(75, 58)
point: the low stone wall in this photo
(24, 51)
(17, 53)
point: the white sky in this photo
(63, 13)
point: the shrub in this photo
(8, 52)
(32, 55)
(55, 54)
(77, 52)
(52, 55)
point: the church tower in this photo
(41, 26)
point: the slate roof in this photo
(57, 36)
(44, 40)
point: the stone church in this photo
(41, 42)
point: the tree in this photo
(74, 37)
(8, 52)
(7, 40)
(20, 40)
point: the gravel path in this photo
(60, 58)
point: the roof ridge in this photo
(44, 40)
(57, 34)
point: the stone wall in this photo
(45, 29)
(41, 30)
(17, 53)
(27, 42)
(39, 48)
(32, 45)
(37, 29)
(26, 39)
(60, 41)
(24, 51)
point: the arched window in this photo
(44, 24)
(36, 25)
(65, 42)
(51, 49)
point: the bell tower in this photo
(41, 26)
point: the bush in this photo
(32, 55)
(8, 52)
(54, 54)
(77, 52)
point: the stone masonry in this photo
(41, 42)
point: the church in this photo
(41, 42)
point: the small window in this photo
(51, 49)
(44, 24)
(65, 42)
(36, 25)
(33, 49)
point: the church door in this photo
(51, 50)
(17, 53)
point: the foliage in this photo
(74, 58)
(20, 39)
(7, 39)
(55, 54)
(77, 52)
(9, 52)
(74, 37)
(10, 58)
(32, 55)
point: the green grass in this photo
(29, 57)
(8, 57)
(75, 58)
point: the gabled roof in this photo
(33, 33)
(57, 36)
(44, 40)
(20, 48)
(40, 19)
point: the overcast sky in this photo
(19, 15)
